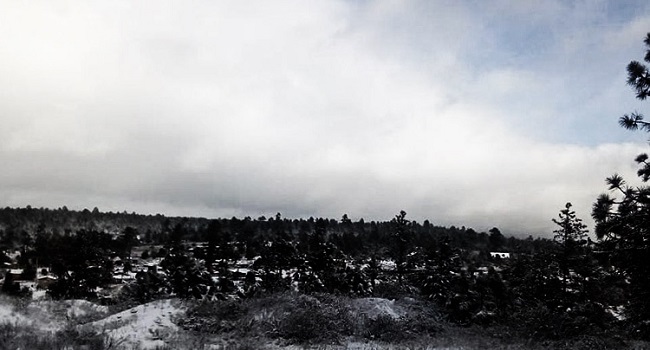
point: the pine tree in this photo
(571, 236)
(623, 220)
(401, 239)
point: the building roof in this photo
(47, 277)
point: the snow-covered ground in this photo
(47, 315)
(145, 326)
(142, 327)
(376, 307)
(9, 315)
(154, 325)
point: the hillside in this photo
(283, 321)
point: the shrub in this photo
(393, 290)
(417, 322)
(304, 325)
(590, 342)
(422, 323)
(542, 323)
(23, 337)
(315, 321)
(216, 317)
(383, 327)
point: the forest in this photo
(549, 289)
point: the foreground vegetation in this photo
(278, 321)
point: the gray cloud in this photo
(465, 114)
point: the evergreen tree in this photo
(213, 236)
(571, 236)
(496, 239)
(9, 286)
(81, 264)
(187, 276)
(401, 239)
(326, 261)
(623, 220)
(277, 256)
(127, 240)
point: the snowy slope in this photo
(145, 326)
(48, 315)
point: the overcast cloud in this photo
(469, 113)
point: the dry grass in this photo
(286, 321)
(27, 337)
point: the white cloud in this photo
(318, 108)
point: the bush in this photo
(383, 327)
(590, 342)
(215, 317)
(422, 323)
(315, 321)
(23, 337)
(393, 290)
(541, 323)
(419, 321)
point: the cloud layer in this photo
(463, 113)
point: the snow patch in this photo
(9, 316)
(618, 312)
(50, 315)
(143, 327)
(376, 307)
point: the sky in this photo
(468, 113)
